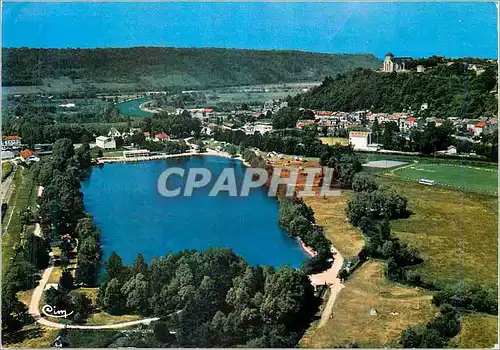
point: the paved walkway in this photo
(330, 278)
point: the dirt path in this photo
(330, 277)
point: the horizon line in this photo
(232, 48)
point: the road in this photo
(330, 278)
(34, 308)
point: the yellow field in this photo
(34, 336)
(330, 213)
(351, 320)
(455, 232)
(478, 331)
(334, 140)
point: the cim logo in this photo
(53, 312)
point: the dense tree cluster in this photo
(61, 209)
(44, 129)
(211, 298)
(297, 218)
(287, 117)
(468, 296)
(434, 334)
(375, 204)
(182, 66)
(177, 126)
(268, 142)
(365, 210)
(442, 88)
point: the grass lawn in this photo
(455, 232)
(334, 140)
(24, 194)
(467, 178)
(351, 321)
(103, 318)
(34, 336)
(330, 213)
(6, 169)
(478, 331)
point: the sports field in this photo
(468, 178)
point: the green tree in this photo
(113, 301)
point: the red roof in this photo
(26, 153)
(162, 136)
(411, 119)
(13, 138)
(480, 124)
(209, 110)
(147, 134)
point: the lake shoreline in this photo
(103, 160)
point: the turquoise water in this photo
(131, 108)
(134, 217)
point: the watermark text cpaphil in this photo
(225, 182)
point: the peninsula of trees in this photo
(187, 67)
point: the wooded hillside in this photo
(449, 91)
(189, 67)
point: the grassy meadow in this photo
(398, 306)
(467, 178)
(455, 232)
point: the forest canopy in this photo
(448, 90)
(162, 66)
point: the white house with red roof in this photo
(12, 141)
(478, 128)
(28, 156)
(301, 123)
(162, 137)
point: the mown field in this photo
(397, 306)
(478, 331)
(455, 232)
(462, 177)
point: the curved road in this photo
(34, 310)
(34, 307)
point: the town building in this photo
(420, 68)
(12, 141)
(105, 142)
(395, 64)
(43, 148)
(136, 153)
(478, 128)
(360, 139)
(162, 137)
(301, 123)
(28, 156)
(113, 132)
(7, 155)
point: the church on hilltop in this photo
(395, 64)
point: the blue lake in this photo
(135, 218)
(131, 108)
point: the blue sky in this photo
(405, 29)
